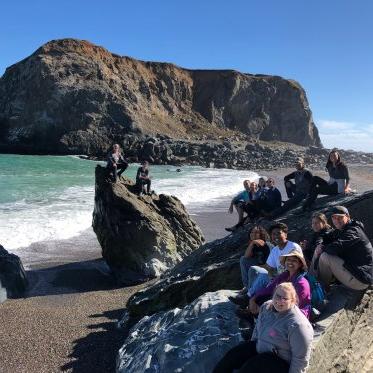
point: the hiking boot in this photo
(240, 300)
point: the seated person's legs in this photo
(245, 264)
(266, 362)
(331, 266)
(258, 278)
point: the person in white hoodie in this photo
(281, 341)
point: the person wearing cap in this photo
(295, 269)
(346, 253)
(339, 180)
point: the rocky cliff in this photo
(71, 96)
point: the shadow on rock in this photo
(97, 352)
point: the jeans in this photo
(245, 264)
(258, 278)
(246, 359)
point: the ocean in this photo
(49, 198)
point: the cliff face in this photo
(71, 96)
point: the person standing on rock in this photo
(143, 180)
(116, 163)
(346, 253)
(339, 180)
(281, 341)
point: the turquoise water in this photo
(50, 198)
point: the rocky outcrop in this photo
(215, 265)
(195, 338)
(141, 237)
(13, 281)
(172, 310)
(192, 339)
(71, 96)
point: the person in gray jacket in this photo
(281, 341)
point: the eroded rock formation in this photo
(71, 96)
(141, 237)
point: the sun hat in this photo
(297, 254)
(339, 210)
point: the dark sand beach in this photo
(67, 321)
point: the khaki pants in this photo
(331, 266)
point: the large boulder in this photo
(192, 339)
(215, 265)
(13, 281)
(141, 236)
(73, 97)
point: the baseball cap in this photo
(339, 210)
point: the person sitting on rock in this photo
(267, 201)
(346, 253)
(339, 180)
(238, 202)
(295, 270)
(298, 190)
(255, 254)
(320, 227)
(143, 180)
(116, 163)
(280, 343)
(262, 186)
(259, 276)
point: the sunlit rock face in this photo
(191, 339)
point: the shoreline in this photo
(67, 320)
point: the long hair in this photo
(339, 160)
(263, 233)
(322, 218)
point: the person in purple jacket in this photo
(295, 269)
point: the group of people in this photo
(265, 200)
(117, 164)
(283, 283)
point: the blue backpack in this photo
(317, 292)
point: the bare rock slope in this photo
(71, 96)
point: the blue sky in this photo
(325, 45)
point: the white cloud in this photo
(346, 135)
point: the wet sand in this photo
(67, 321)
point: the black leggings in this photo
(117, 171)
(320, 186)
(246, 359)
(141, 183)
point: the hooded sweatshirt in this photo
(288, 334)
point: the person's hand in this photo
(347, 190)
(303, 244)
(253, 307)
(114, 165)
(318, 250)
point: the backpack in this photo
(317, 292)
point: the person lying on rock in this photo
(346, 253)
(255, 254)
(143, 180)
(295, 270)
(339, 180)
(238, 202)
(298, 190)
(281, 341)
(116, 163)
(320, 227)
(259, 276)
(268, 201)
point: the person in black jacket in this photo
(296, 191)
(339, 180)
(143, 179)
(346, 253)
